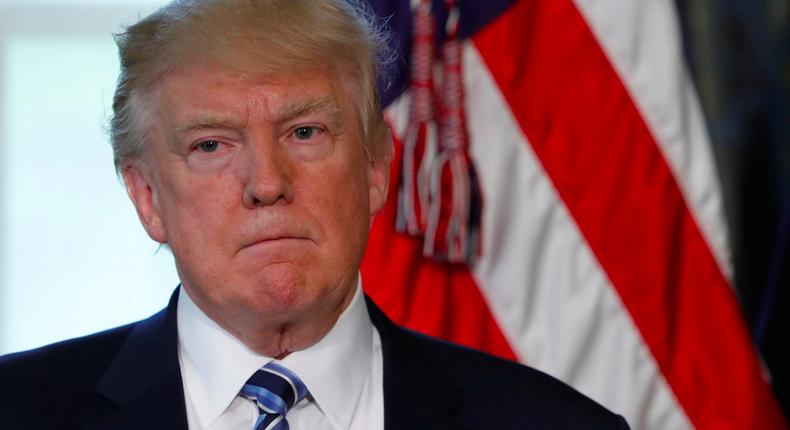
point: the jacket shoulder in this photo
(55, 377)
(73, 355)
(520, 395)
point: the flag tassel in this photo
(439, 198)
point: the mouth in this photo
(275, 242)
(277, 239)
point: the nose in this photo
(267, 175)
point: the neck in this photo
(277, 334)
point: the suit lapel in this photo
(143, 384)
(418, 393)
(143, 388)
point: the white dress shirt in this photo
(343, 373)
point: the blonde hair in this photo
(266, 36)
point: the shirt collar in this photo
(335, 369)
(216, 364)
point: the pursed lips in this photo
(276, 238)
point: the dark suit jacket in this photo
(129, 378)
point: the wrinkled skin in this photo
(262, 188)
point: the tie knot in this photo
(275, 389)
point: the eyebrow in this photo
(206, 123)
(300, 108)
(286, 113)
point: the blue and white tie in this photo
(275, 390)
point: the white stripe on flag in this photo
(642, 41)
(566, 319)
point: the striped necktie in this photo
(275, 390)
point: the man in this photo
(252, 144)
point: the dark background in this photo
(738, 52)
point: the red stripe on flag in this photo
(609, 171)
(438, 299)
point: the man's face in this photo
(262, 189)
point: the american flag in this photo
(603, 257)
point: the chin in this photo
(278, 283)
(281, 287)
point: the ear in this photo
(139, 186)
(378, 183)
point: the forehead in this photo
(200, 89)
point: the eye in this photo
(207, 146)
(304, 133)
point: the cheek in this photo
(197, 210)
(344, 200)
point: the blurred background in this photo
(67, 229)
(68, 232)
(739, 55)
